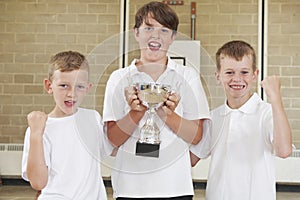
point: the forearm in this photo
(118, 132)
(37, 171)
(189, 130)
(282, 134)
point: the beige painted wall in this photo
(32, 30)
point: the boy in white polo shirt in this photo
(246, 132)
(180, 118)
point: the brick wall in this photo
(31, 31)
(284, 58)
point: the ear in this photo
(89, 87)
(217, 76)
(48, 86)
(173, 37)
(136, 33)
(255, 74)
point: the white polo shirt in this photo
(170, 174)
(242, 160)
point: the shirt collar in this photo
(248, 108)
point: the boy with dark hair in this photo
(180, 117)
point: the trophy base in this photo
(148, 150)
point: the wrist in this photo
(35, 135)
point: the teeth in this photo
(237, 86)
(154, 44)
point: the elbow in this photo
(285, 154)
(113, 139)
(38, 181)
(38, 185)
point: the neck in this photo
(236, 103)
(153, 69)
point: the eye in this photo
(244, 72)
(81, 87)
(165, 30)
(148, 29)
(63, 86)
(228, 72)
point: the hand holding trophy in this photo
(152, 95)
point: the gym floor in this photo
(17, 191)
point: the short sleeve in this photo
(202, 149)
(105, 146)
(194, 99)
(26, 147)
(25, 154)
(114, 98)
(268, 127)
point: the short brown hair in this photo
(67, 61)
(236, 49)
(159, 11)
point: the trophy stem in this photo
(150, 131)
(148, 144)
(152, 95)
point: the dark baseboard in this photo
(14, 181)
(281, 187)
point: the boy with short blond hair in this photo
(62, 149)
(246, 132)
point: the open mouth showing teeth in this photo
(154, 45)
(237, 87)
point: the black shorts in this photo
(188, 197)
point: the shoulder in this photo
(261, 106)
(217, 110)
(89, 112)
(118, 77)
(218, 113)
(118, 73)
(187, 72)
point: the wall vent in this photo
(2, 147)
(10, 159)
(11, 147)
(15, 147)
(296, 153)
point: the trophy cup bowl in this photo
(152, 95)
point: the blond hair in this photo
(236, 49)
(67, 61)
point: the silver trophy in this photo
(152, 95)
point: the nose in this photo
(71, 92)
(236, 77)
(155, 33)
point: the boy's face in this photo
(237, 79)
(154, 40)
(69, 90)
